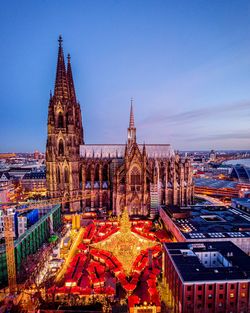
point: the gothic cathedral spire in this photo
(72, 92)
(61, 83)
(131, 118)
(65, 135)
(131, 128)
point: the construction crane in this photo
(9, 232)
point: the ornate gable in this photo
(134, 156)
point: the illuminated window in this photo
(231, 295)
(243, 294)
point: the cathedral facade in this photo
(109, 176)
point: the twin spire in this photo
(64, 88)
(64, 85)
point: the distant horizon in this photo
(197, 150)
(185, 63)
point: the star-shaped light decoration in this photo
(124, 244)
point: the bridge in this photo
(234, 156)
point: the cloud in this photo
(197, 114)
(242, 135)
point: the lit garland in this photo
(124, 244)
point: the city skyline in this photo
(186, 66)
(125, 156)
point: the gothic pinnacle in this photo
(131, 119)
(61, 84)
(72, 92)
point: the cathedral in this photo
(110, 176)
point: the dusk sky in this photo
(185, 63)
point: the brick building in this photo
(207, 277)
(34, 181)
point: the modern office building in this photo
(31, 240)
(25, 220)
(208, 223)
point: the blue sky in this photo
(185, 63)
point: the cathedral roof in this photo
(117, 150)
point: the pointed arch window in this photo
(105, 173)
(60, 122)
(61, 148)
(66, 175)
(135, 179)
(88, 176)
(97, 173)
(58, 175)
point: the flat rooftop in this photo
(215, 183)
(213, 222)
(213, 261)
(242, 201)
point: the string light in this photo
(124, 244)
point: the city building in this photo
(36, 155)
(21, 221)
(11, 212)
(25, 220)
(212, 156)
(34, 182)
(208, 223)
(6, 188)
(242, 204)
(225, 189)
(206, 277)
(31, 240)
(19, 171)
(7, 155)
(108, 175)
